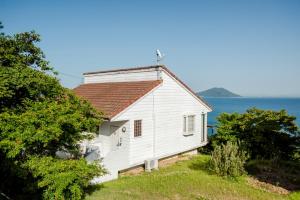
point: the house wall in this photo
(114, 158)
(172, 102)
(104, 138)
(140, 148)
(161, 112)
(123, 76)
(105, 132)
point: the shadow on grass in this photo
(92, 188)
(285, 174)
(204, 167)
(201, 165)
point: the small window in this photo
(189, 124)
(184, 124)
(137, 128)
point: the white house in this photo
(150, 115)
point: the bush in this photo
(208, 148)
(266, 134)
(39, 117)
(63, 179)
(228, 160)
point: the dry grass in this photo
(267, 186)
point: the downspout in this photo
(154, 127)
(153, 114)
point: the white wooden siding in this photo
(172, 102)
(115, 159)
(161, 112)
(140, 148)
(125, 76)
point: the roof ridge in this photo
(163, 67)
(125, 69)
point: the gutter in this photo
(154, 127)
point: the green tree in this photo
(39, 117)
(264, 133)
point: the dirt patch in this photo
(266, 186)
(132, 171)
(171, 160)
(162, 163)
(284, 174)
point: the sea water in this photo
(241, 104)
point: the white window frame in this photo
(186, 124)
(203, 127)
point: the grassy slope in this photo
(184, 180)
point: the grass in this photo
(183, 180)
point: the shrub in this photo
(228, 160)
(63, 179)
(208, 148)
(39, 117)
(266, 134)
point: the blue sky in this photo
(249, 47)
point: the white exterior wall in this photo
(106, 139)
(172, 102)
(140, 148)
(161, 112)
(114, 158)
(122, 76)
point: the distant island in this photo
(217, 92)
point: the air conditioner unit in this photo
(93, 152)
(151, 164)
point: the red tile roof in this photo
(154, 67)
(112, 98)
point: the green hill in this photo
(217, 92)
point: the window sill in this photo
(188, 134)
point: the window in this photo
(203, 127)
(188, 124)
(191, 122)
(137, 128)
(184, 124)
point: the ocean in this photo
(241, 104)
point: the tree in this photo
(264, 133)
(39, 117)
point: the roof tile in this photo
(113, 98)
